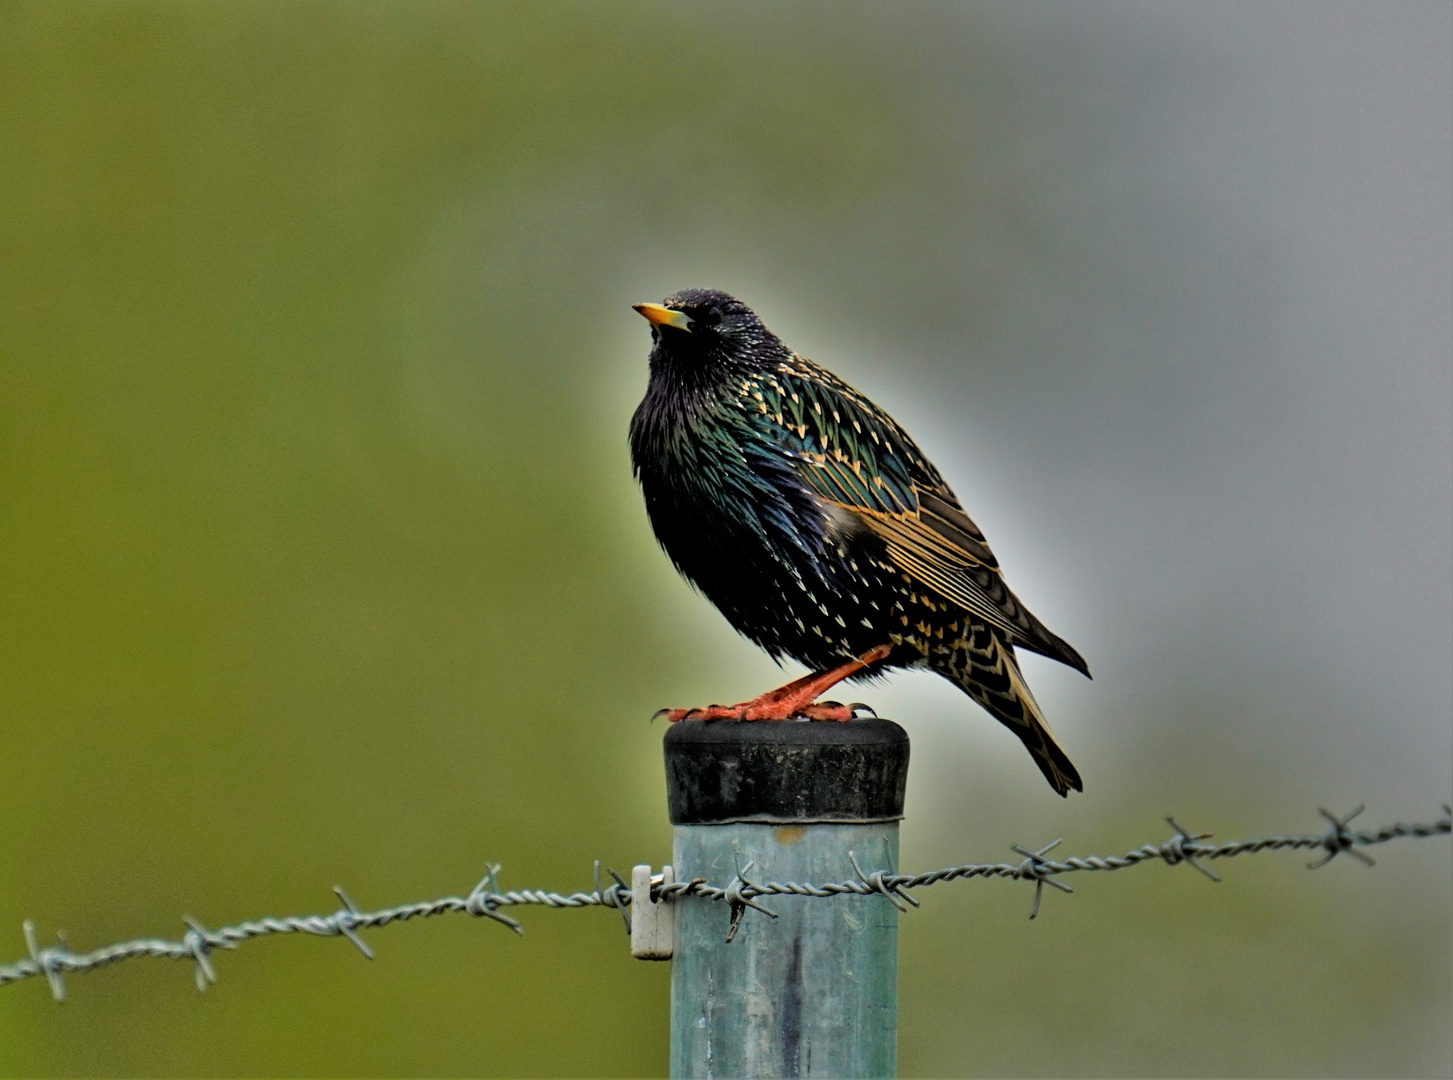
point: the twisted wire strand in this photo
(486, 900)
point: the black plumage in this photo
(817, 527)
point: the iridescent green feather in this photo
(851, 453)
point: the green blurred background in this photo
(320, 559)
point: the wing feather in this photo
(855, 457)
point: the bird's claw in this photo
(711, 712)
(834, 711)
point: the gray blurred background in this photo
(322, 560)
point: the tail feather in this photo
(985, 669)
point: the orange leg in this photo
(794, 699)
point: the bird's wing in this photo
(853, 455)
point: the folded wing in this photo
(855, 457)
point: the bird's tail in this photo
(984, 667)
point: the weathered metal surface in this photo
(811, 993)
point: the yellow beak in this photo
(659, 315)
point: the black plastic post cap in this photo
(785, 772)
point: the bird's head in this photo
(702, 331)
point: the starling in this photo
(817, 527)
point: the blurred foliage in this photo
(321, 560)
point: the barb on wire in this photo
(40, 959)
(197, 943)
(739, 898)
(481, 902)
(621, 889)
(345, 918)
(1182, 848)
(1338, 839)
(1034, 866)
(486, 898)
(877, 882)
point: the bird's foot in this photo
(711, 712)
(796, 699)
(760, 709)
(829, 710)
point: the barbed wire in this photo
(486, 899)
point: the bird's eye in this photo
(710, 317)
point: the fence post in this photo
(812, 992)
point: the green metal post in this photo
(813, 992)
